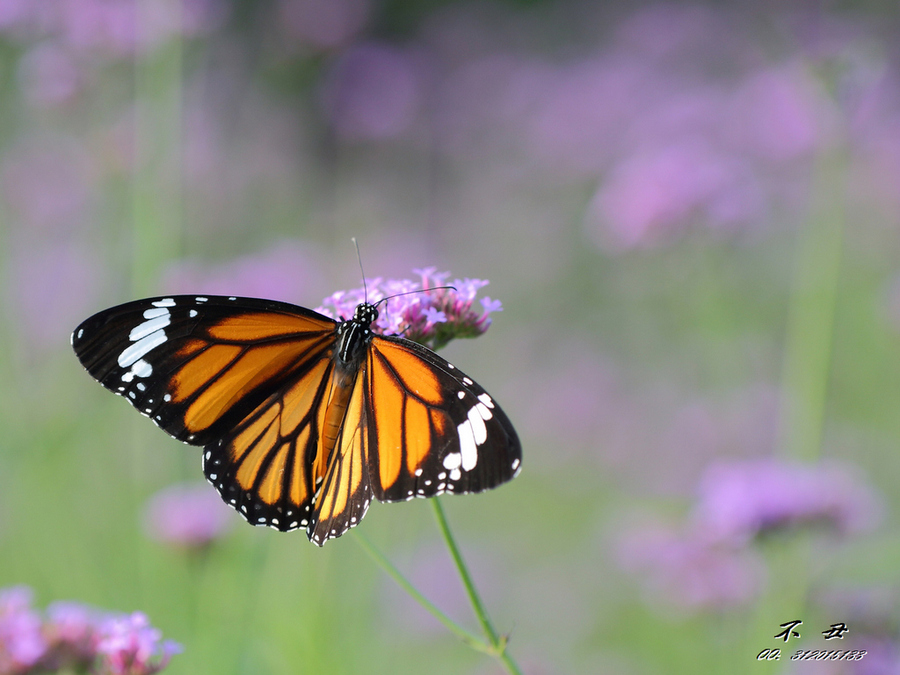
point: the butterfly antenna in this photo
(359, 260)
(421, 290)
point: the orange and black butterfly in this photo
(303, 419)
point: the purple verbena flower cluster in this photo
(426, 311)
(70, 637)
(740, 501)
(687, 569)
(708, 561)
(188, 516)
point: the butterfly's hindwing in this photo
(265, 467)
(435, 429)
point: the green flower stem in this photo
(498, 643)
(469, 638)
(807, 359)
(805, 378)
(157, 204)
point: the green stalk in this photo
(805, 378)
(157, 209)
(469, 638)
(498, 643)
(807, 358)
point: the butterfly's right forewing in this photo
(197, 365)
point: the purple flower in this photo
(372, 93)
(129, 645)
(76, 638)
(741, 500)
(190, 515)
(688, 569)
(423, 313)
(71, 631)
(22, 643)
(655, 194)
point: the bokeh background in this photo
(689, 212)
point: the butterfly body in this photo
(303, 419)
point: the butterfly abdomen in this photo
(349, 354)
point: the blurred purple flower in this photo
(882, 656)
(117, 27)
(741, 500)
(13, 12)
(869, 610)
(372, 93)
(688, 570)
(322, 24)
(429, 317)
(129, 645)
(22, 643)
(286, 271)
(191, 515)
(653, 195)
(681, 118)
(776, 115)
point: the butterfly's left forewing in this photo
(434, 429)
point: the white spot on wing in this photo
(139, 368)
(150, 326)
(136, 351)
(452, 461)
(468, 447)
(165, 302)
(477, 421)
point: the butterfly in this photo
(303, 419)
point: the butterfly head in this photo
(365, 314)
